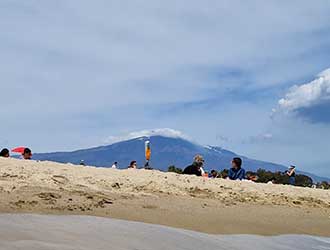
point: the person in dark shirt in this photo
(236, 172)
(193, 169)
(214, 174)
(292, 175)
(196, 167)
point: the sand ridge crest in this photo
(144, 195)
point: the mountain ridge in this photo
(166, 151)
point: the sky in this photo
(250, 76)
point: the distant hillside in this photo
(166, 151)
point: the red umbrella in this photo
(19, 150)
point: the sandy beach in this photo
(214, 206)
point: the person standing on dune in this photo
(292, 175)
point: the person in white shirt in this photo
(114, 165)
(202, 171)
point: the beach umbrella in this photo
(19, 150)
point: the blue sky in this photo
(74, 73)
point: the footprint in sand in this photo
(51, 198)
(149, 207)
(103, 202)
(22, 203)
(60, 179)
(116, 185)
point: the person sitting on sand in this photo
(292, 175)
(272, 181)
(114, 165)
(236, 172)
(4, 153)
(252, 177)
(27, 154)
(196, 168)
(214, 174)
(224, 174)
(199, 158)
(133, 165)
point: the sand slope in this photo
(206, 205)
(85, 233)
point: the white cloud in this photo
(307, 95)
(259, 139)
(267, 136)
(166, 132)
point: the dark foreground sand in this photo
(194, 203)
(35, 232)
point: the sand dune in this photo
(205, 205)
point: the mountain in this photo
(166, 151)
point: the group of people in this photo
(236, 172)
(196, 168)
(26, 154)
(132, 165)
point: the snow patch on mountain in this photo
(165, 132)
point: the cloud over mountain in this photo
(165, 132)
